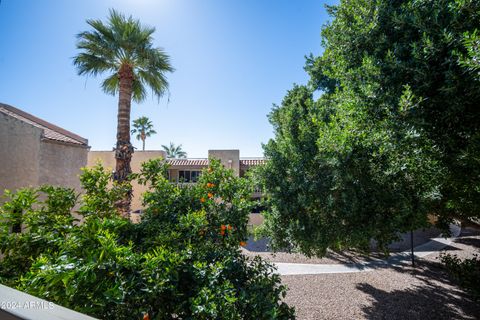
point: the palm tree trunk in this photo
(143, 145)
(124, 149)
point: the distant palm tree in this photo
(174, 152)
(123, 48)
(143, 127)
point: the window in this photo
(188, 175)
(195, 175)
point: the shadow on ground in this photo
(420, 236)
(474, 242)
(436, 298)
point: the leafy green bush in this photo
(46, 224)
(181, 261)
(466, 272)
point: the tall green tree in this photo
(173, 151)
(123, 49)
(143, 127)
(395, 134)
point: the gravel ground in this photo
(401, 292)
(465, 246)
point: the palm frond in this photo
(111, 84)
(138, 91)
(123, 40)
(174, 152)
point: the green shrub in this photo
(46, 224)
(466, 272)
(181, 261)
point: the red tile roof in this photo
(188, 162)
(252, 162)
(50, 131)
(203, 162)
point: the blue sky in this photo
(233, 60)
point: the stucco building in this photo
(35, 152)
(180, 170)
(107, 159)
(188, 170)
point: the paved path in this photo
(421, 251)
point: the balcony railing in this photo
(15, 304)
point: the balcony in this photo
(15, 304)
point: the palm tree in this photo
(174, 152)
(143, 127)
(123, 49)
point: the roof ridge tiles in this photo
(57, 131)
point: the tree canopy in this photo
(123, 42)
(173, 151)
(394, 135)
(143, 127)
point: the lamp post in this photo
(411, 243)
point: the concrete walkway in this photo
(434, 245)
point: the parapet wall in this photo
(107, 158)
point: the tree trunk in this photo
(124, 149)
(143, 140)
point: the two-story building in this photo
(181, 170)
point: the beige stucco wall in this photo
(229, 158)
(255, 219)
(60, 164)
(107, 158)
(173, 174)
(28, 161)
(19, 154)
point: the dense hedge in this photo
(181, 261)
